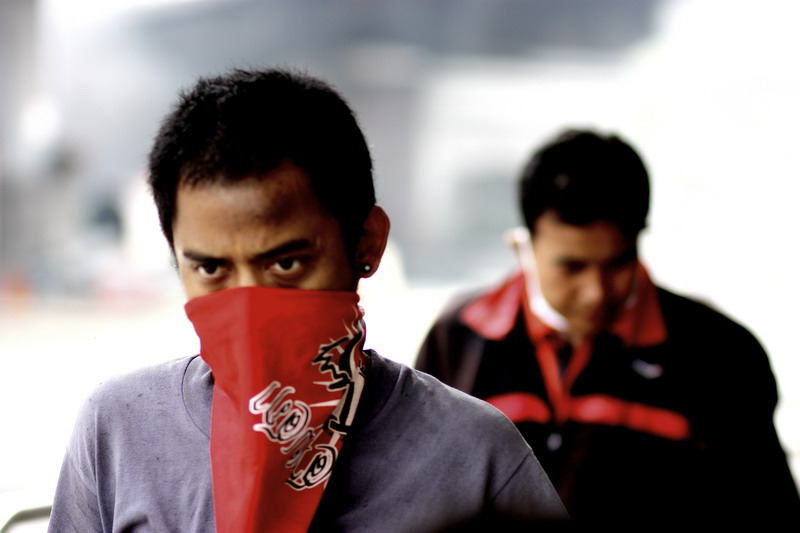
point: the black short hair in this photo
(583, 177)
(247, 122)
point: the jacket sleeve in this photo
(744, 454)
(775, 489)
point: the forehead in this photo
(600, 240)
(272, 197)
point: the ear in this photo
(372, 243)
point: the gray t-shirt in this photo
(422, 457)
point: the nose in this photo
(594, 288)
(249, 277)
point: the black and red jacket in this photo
(666, 419)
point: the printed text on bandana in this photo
(286, 419)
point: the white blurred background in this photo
(453, 95)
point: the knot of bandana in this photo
(287, 368)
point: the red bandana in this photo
(287, 379)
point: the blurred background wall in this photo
(453, 96)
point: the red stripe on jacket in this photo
(597, 409)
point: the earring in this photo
(366, 268)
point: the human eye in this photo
(289, 266)
(571, 267)
(209, 270)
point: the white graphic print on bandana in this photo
(285, 420)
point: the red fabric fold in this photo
(286, 366)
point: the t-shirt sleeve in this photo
(76, 505)
(528, 496)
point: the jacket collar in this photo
(494, 314)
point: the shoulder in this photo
(674, 304)
(490, 313)
(133, 439)
(138, 397)
(448, 451)
(468, 316)
(689, 317)
(138, 407)
(145, 383)
(409, 396)
(715, 347)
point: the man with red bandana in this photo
(284, 422)
(645, 408)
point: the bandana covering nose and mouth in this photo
(287, 368)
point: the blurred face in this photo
(585, 272)
(269, 231)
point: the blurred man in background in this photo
(645, 408)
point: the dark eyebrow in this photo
(567, 260)
(201, 258)
(291, 246)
